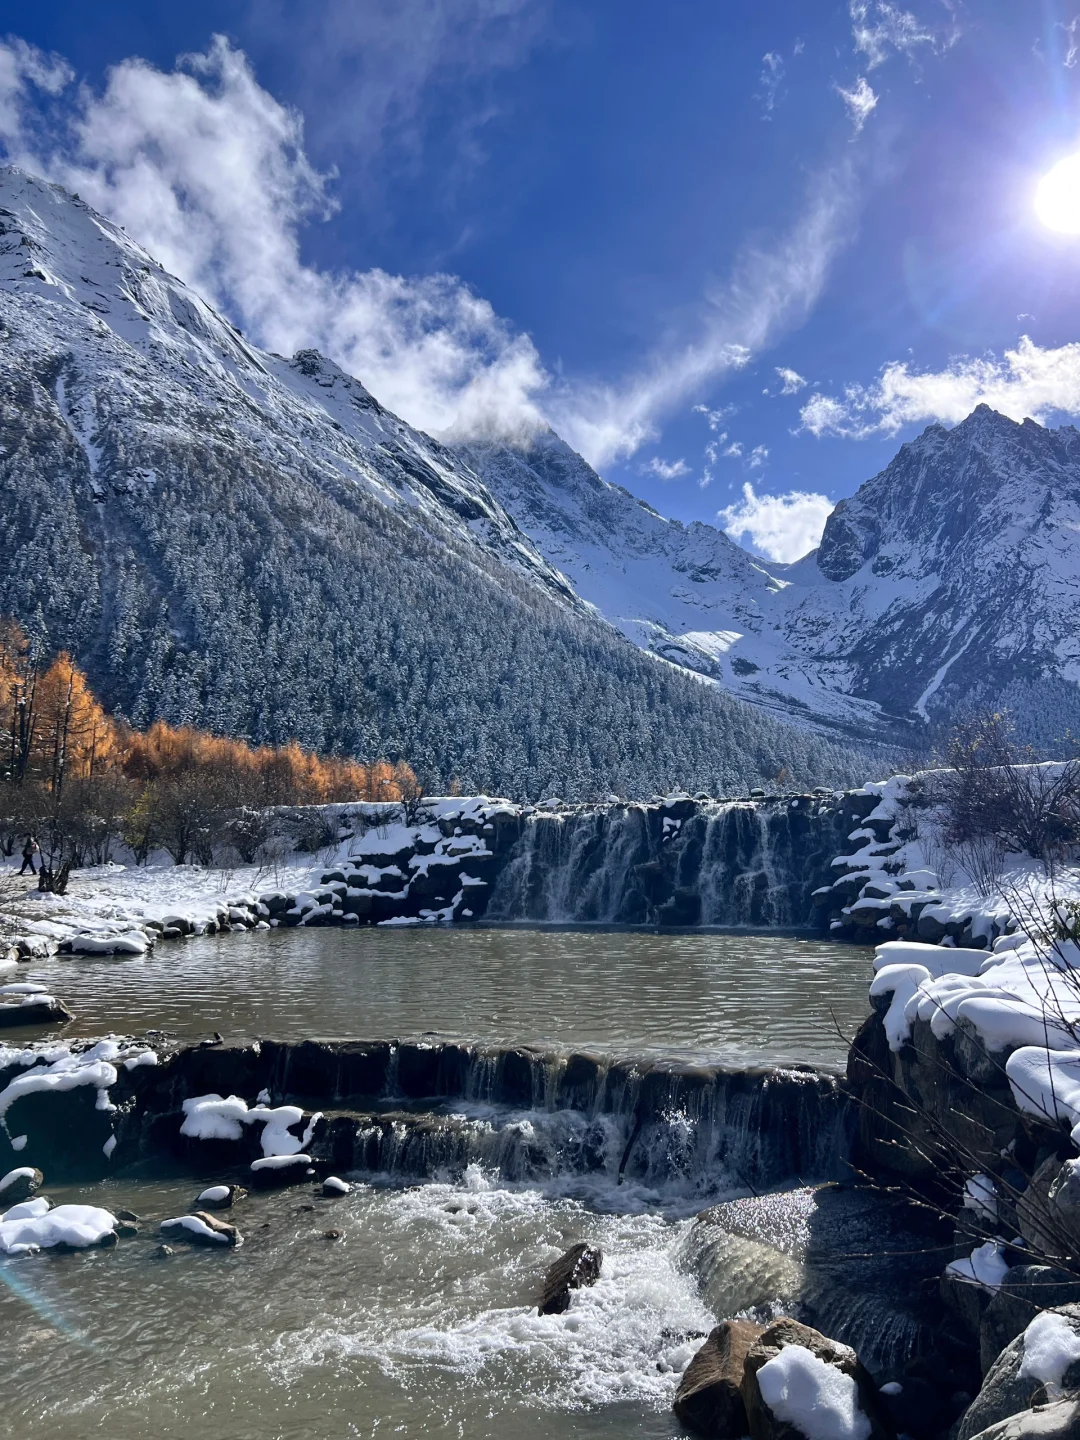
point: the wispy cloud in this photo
(791, 382)
(879, 28)
(715, 418)
(770, 80)
(666, 469)
(1027, 381)
(757, 458)
(770, 290)
(860, 100)
(782, 527)
(209, 172)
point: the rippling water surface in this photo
(704, 995)
(420, 1320)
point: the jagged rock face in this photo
(956, 573)
(950, 580)
(229, 538)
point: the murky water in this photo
(420, 1320)
(741, 998)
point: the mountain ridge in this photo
(251, 543)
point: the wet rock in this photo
(207, 1229)
(163, 1251)
(220, 1197)
(1057, 1420)
(1006, 1392)
(19, 1184)
(332, 1186)
(579, 1266)
(709, 1398)
(126, 1229)
(781, 1335)
(333, 1234)
(277, 1170)
(128, 1215)
(33, 1011)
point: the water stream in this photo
(420, 1319)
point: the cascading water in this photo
(680, 1134)
(682, 862)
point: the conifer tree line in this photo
(80, 781)
(203, 576)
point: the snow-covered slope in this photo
(72, 279)
(233, 539)
(950, 581)
(952, 578)
(685, 592)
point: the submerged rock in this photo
(202, 1228)
(579, 1266)
(220, 1197)
(709, 1399)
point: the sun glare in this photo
(1057, 199)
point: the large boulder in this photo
(1024, 1292)
(1036, 1362)
(709, 1398)
(794, 1373)
(579, 1266)
(1057, 1420)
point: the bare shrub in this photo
(994, 800)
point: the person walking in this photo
(29, 850)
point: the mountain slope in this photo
(949, 582)
(251, 543)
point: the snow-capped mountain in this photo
(252, 543)
(950, 581)
(201, 520)
(684, 592)
(102, 297)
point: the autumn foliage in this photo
(79, 779)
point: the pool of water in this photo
(741, 998)
(420, 1320)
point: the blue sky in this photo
(716, 245)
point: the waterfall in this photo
(680, 862)
(679, 1133)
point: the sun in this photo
(1057, 198)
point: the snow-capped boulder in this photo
(800, 1385)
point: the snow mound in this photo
(817, 1399)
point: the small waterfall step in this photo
(415, 1107)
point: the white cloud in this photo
(879, 27)
(22, 68)
(666, 469)
(859, 100)
(715, 418)
(734, 450)
(1028, 381)
(706, 479)
(782, 527)
(208, 171)
(771, 289)
(758, 456)
(791, 382)
(772, 76)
